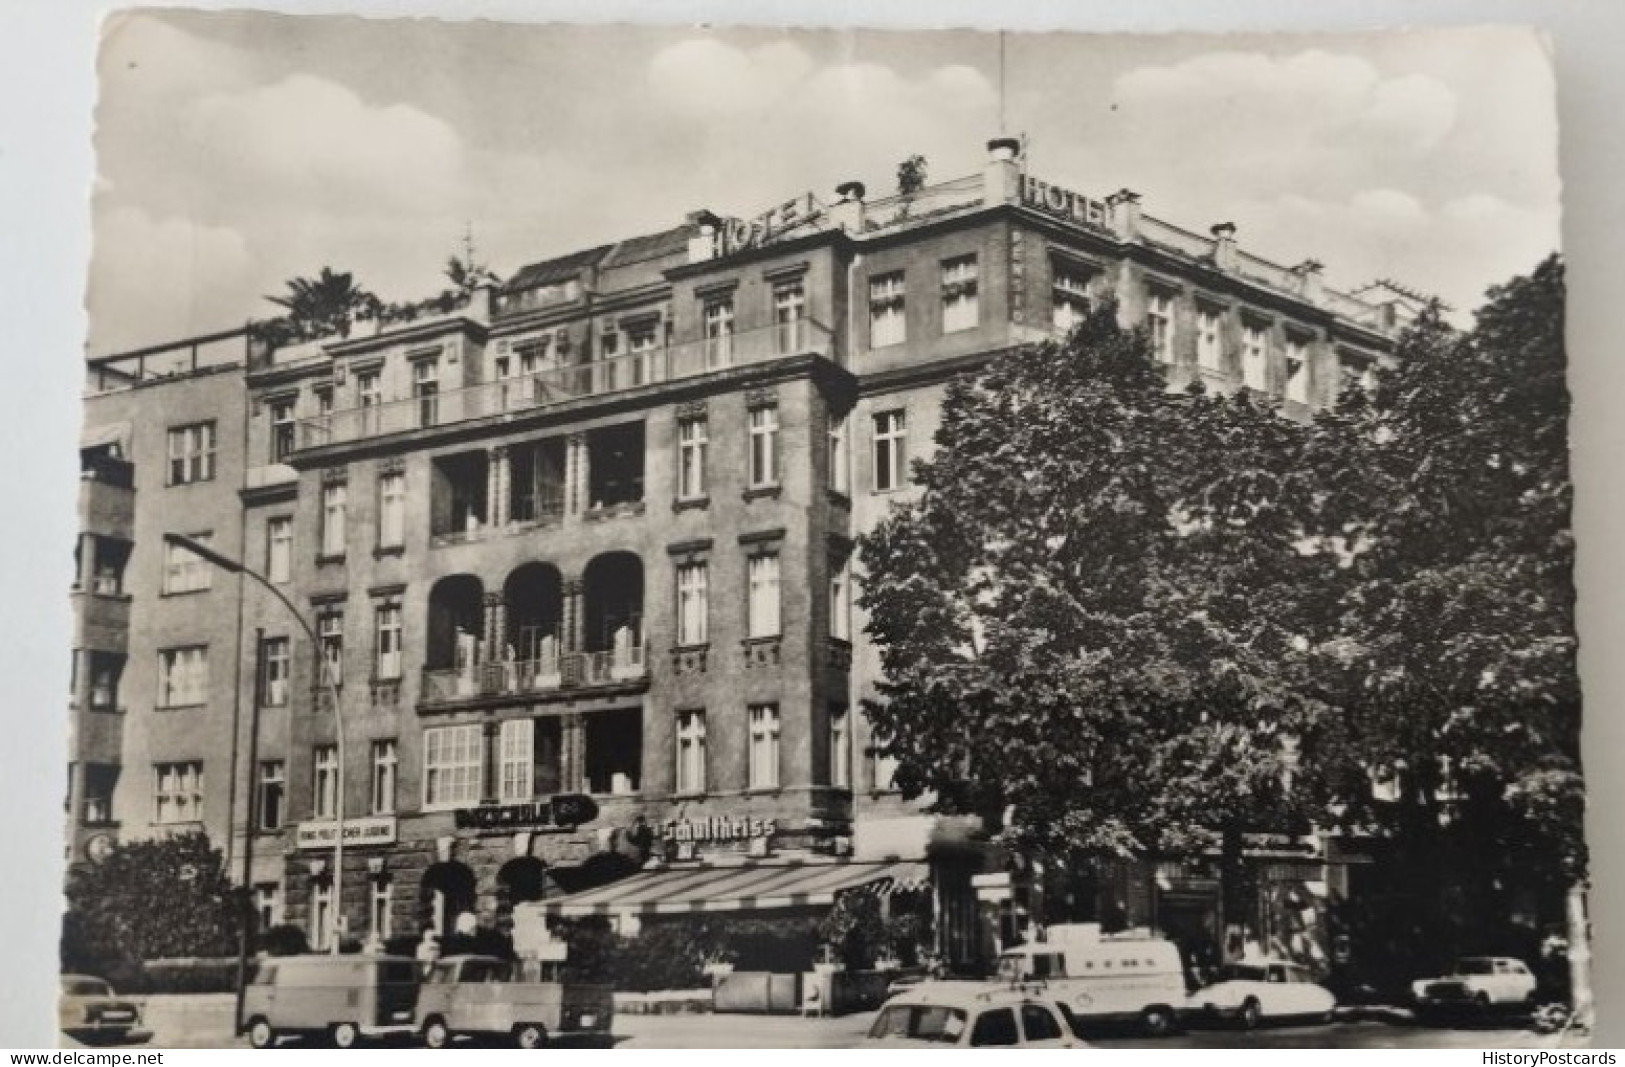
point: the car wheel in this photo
(1158, 1021)
(1251, 1014)
(435, 1034)
(344, 1035)
(1482, 1001)
(260, 1034)
(529, 1035)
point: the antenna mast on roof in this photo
(1003, 127)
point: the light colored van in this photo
(1103, 978)
(341, 998)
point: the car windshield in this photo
(919, 1022)
(1073, 1020)
(1474, 967)
(86, 987)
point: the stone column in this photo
(570, 637)
(497, 479)
(496, 628)
(493, 763)
(570, 667)
(580, 486)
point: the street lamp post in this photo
(226, 563)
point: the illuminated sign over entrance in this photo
(1055, 200)
(563, 812)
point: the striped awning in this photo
(702, 889)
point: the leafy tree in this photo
(466, 275)
(324, 305)
(150, 899)
(1453, 649)
(1087, 619)
(911, 175)
(1120, 620)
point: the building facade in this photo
(576, 556)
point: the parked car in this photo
(524, 1001)
(1479, 982)
(89, 1011)
(1250, 992)
(1104, 978)
(341, 998)
(963, 1015)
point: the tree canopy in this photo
(324, 305)
(149, 899)
(1084, 618)
(1453, 649)
(1128, 619)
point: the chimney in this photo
(1311, 285)
(703, 242)
(482, 304)
(1224, 246)
(1125, 205)
(1003, 181)
(847, 212)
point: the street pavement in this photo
(205, 1022)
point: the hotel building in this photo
(577, 553)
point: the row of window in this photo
(528, 765)
(184, 571)
(183, 673)
(959, 293)
(272, 784)
(789, 323)
(1210, 355)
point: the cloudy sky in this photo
(237, 150)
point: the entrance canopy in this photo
(702, 889)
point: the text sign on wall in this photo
(1063, 202)
(718, 828)
(566, 811)
(369, 830)
(739, 235)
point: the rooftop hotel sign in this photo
(740, 235)
(1054, 200)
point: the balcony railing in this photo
(560, 384)
(517, 677)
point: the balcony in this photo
(107, 504)
(268, 475)
(558, 385)
(520, 677)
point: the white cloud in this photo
(1259, 123)
(706, 77)
(1454, 250)
(307, 143)
(1414, 111)
(154, 280)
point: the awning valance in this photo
(111, 433)
(704, 889)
